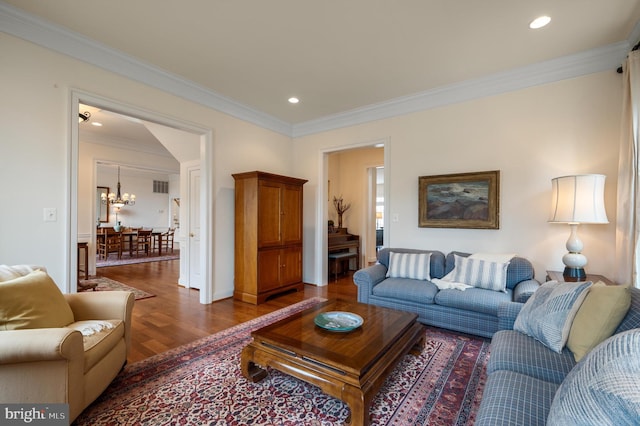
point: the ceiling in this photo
(339, 55)
(119, 131)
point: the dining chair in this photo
(164, 242)
(142, 243)
(109, 241)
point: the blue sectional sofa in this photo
(529, 384)
(473, 311)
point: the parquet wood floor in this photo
(176, 317)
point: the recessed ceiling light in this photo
(293, 100)
(97, 124)
(539, 22)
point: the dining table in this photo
(127, 239)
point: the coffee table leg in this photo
(419, 346)
(359, 405)
(249, 369)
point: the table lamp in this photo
(577, 199)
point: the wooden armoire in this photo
(268, 235)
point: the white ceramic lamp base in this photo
(574, 261)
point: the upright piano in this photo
(342, 247)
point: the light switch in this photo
(50, 214)
(395, 218)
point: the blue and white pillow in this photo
(604, 387)
(480, 273)
(409, 265)
(548, 314)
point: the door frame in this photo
(207, 183)
(321, 260)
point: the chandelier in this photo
(117, 200)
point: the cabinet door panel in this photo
(269, 214)
(292, 214)
(269, 270)
(291, 259)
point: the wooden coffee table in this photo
(350, 366)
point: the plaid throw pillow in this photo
(409, 265)
(480, 273)
(548, 314)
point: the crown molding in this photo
(28, 27)
(43, 33)
(583, 63)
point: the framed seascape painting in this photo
(463, 200)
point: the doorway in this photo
(347, 174)
(205, 152)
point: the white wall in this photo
(145, 212)
(35, 140)
(530, 135)
(151, 210)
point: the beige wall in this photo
(529, 135)
(35, 154)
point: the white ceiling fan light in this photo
(539, 22)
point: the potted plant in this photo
(341, 207)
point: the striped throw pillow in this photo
(409, 265)
(480, 273)
(548, 315)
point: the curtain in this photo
(628, 203)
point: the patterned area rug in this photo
(129, 260)
(201, 383)
(107, 284)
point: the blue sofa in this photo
(473, 311)
(524, 377)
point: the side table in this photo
(83, 286)
(557, 276)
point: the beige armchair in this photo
(59, 348)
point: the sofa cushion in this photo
(548, 314)
(599, 315)
(480, 273)
(473, 299)
(514, 399)
(33, 301)
(409, 265)
(603, 388)
(99, 338)
(407, 289)
(514, 351)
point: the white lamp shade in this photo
(578, 199)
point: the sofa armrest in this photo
(40, 344)
(104, 305)
(367, 278)
(507, 314)
(44, 365)
(524, 289)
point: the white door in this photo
(195, 279)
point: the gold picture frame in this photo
(463, 200)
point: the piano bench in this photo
(340, 258)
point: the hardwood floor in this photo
(175, 316)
